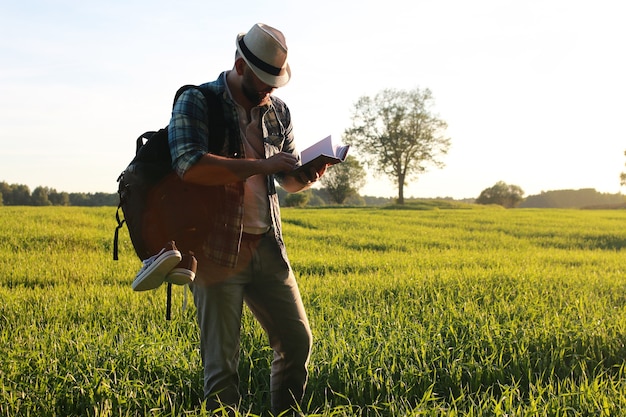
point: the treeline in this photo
(319, 197)
(583, 198)
(20, 195)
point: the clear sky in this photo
(534, 91)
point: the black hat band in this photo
(258, 62)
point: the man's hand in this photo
(280, 162)
(301, 180)
(311, 175)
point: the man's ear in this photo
(240, 65)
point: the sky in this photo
(533, 91)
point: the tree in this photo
(7, 193)
(398, 134)
(297, 199)
(622, 177)
(59, 199)
(344, 180)
(20, 195)
(40, 197)
(508, 196)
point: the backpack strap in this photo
(139, 143)
(217, 123)
(120, 223)
(168, 302)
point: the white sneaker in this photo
(154, 269)
(184, 272)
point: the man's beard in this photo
(247, 88)
(253, 96)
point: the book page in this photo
(321, 153)
(324, 147)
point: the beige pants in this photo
(267, 285)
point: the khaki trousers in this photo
(265, 282)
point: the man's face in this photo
(254, 89)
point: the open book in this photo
(324, 152)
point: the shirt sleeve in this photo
(187, 131)
(288, 144)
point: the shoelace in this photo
(146, 262)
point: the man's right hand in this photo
(280, 162)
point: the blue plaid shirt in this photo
(188, 139)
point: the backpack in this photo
(156, 204)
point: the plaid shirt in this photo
(188, 138)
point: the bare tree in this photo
(398, 135)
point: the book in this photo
(324, 152)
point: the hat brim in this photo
(275, 81)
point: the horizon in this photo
(318, 188)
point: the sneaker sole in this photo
(155, 274)
(180, 276)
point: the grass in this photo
(430, 311)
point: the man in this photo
(244, 258)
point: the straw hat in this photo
(264, 49)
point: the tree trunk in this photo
(400, 189)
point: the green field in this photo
(426, 311)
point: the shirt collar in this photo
(229, 95)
